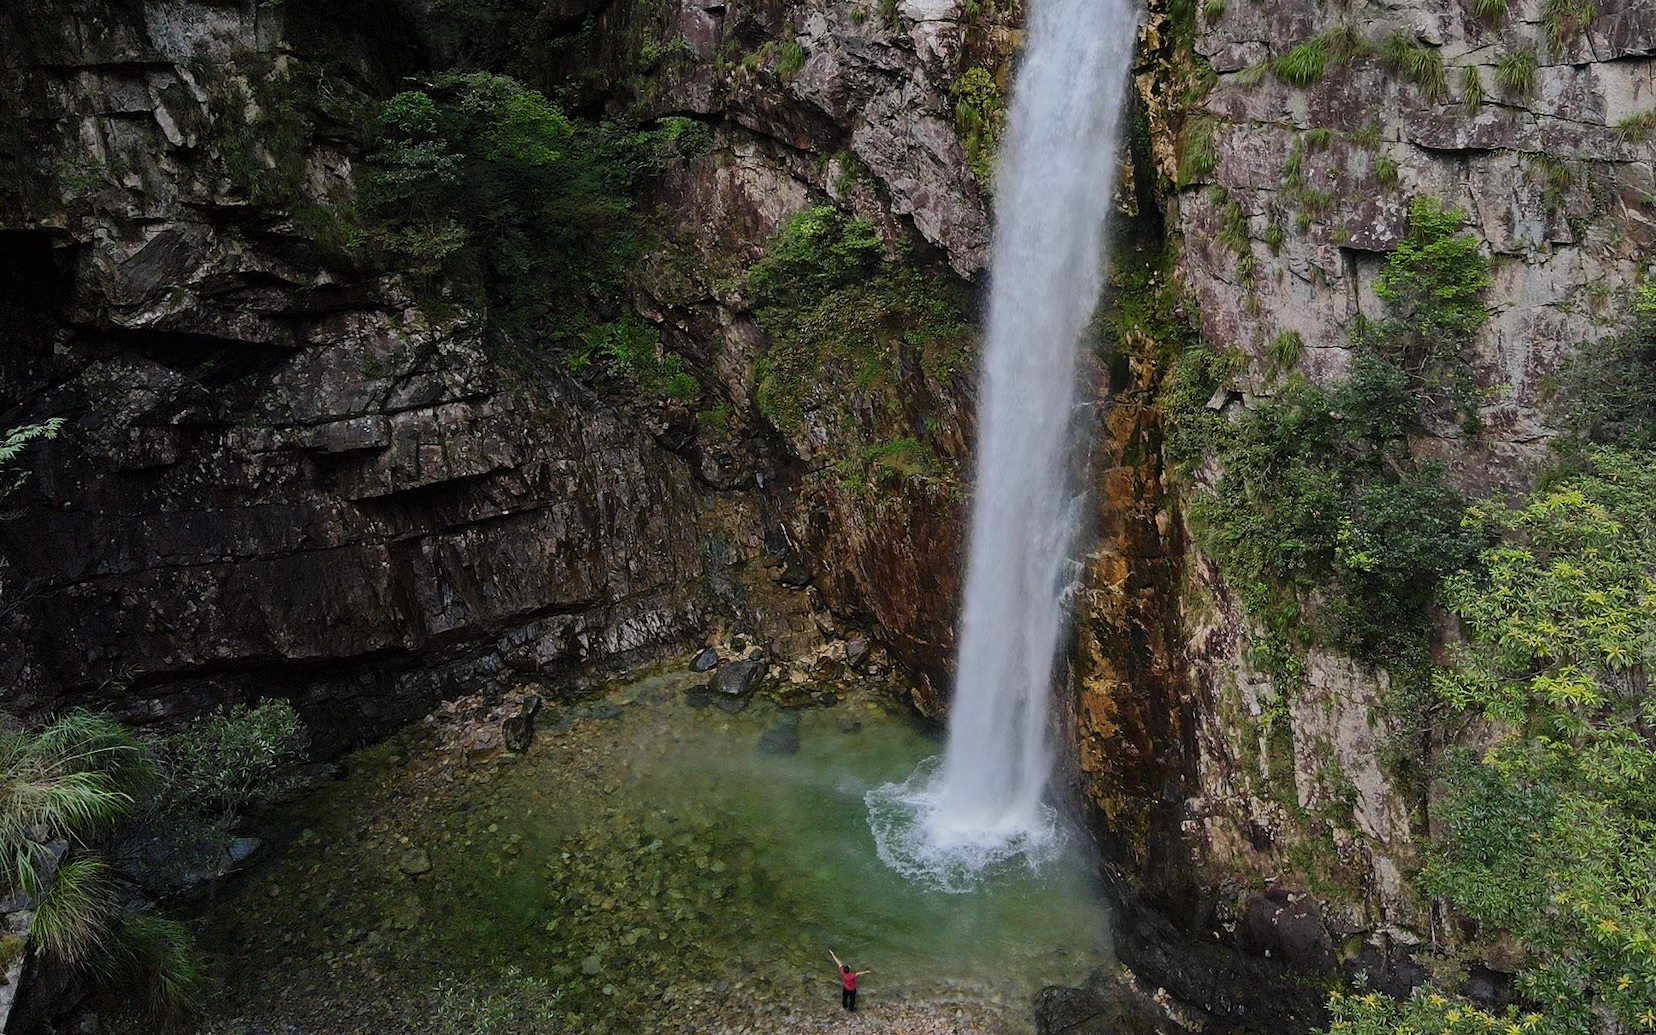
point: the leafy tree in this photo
(1552, 833)
(1432, 286)
(480, 178)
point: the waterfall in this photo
(982, 803)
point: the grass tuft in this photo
(1368, 136)
(1285, 350)
(1420, 64)
(1567, 19)
(1636, 129)
(1516, 73)
(1489, 11)
(1472, 91)
(1303, 65)
(1385, 172)
(1197, 153)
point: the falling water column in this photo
(1053, 192)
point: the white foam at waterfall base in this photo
(982, 805)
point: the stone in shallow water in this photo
(783, 736)
(591, 965)
(738, 678)
(706, 661)
(415, 861)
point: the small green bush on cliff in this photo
(1433, 288)
(839, 313)
(1610, 387)
(980, 113)
(225, 763)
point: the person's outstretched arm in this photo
(836, 959)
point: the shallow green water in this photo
(634, 864)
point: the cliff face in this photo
(285, 473)
(1279, 814)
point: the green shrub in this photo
(240, 758)
(980, 115)
(837, 310)
(1550, 832)
(817, 250)
(628, 347)
(1425, 1012)
(481, 180)
(1433, 285)
(1318, 497)
(15, 442)
(1609, 388)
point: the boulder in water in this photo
(738, 679)
(705, 661)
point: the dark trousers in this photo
(848, 998)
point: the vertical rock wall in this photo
(1275, 820)
(287, 474)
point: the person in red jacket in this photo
(848, 982)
